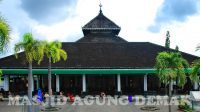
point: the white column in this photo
(6, 83)
(145, 82)
(196, 86)
(118, 83)
(83, 83)
(32, 82)
(38, 82)
(172, 85)
(57, 83)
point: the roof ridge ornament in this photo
(100, 5)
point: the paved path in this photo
(94, 107)
(86, 108)
(111, 108)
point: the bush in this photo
(184, 106)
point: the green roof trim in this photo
(83, 71)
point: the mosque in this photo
(99, 61)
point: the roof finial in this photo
(100, 5)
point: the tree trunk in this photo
(165, 89)
(176, 89)
(30, 86)
(49, 82)
(170, 95)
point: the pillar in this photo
(145, 82)
(172, 85)
(57, 83)
(83, 83)
(32, 83)
(6, 83)
(195, 85)
(118, 83)
(38, 83)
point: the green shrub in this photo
(184, 106)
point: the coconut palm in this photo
(4, 37)
(54, 53)
(171, 67)
(1, 74)
(4, 34)
(33, 50)
(195, 68)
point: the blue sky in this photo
(140, 20)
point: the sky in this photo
(140, 20)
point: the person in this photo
(17, 97)
(10, 94)
(61, 96)
(39, 96)
(102, 95)
(46, 96)
(2, 91)
(1, 96)
(71, 97)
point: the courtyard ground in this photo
(91, 107)
(68, 107)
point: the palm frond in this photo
(33, 49)
(195, 68)
(57, 44)
(4, 34)
(1, 72)
(198, 47)
(63, 54)
(181, 76)
(54, 51)
(170, 66)
(38, 51)
(18, 47)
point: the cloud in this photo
(174, 10)
(48, 11)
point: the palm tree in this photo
(171, 67)
(4, 34)
(54, 52)
(33, 50)
(195, 68)
(1, 74)
(4, 37)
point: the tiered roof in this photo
(101, 29)
(101, 47)
(135, 55)
(101, 23)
